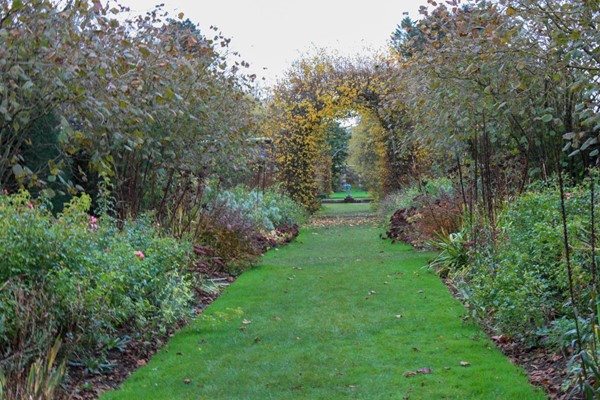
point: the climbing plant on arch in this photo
(323, 87)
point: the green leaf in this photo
(62, 137)
(18, 170)
(49, 193)
(591, 141)
(547, 118)
(17, 4)
(28, 85)
(169, 94)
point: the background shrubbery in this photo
(83, 279)
(95, 283)
(421, 210)
(515, 273)
(515, 276)
(238, 223)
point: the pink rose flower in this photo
(93, 224)
(139, 254)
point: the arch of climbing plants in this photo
(319, 89)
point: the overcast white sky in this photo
(272, 33)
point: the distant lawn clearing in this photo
(357, 194)
(338, 314)
(345, 210)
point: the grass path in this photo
(338, 314)
(357, 194)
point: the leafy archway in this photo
(322, 88)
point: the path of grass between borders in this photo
(357, 194)
(338, 314)
(345, 210)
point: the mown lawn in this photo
(345, 210)
(357, 194)
(338, 314)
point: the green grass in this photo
(345, 210)
(357, 194)
(313, 331)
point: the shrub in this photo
(268, 209)
(517, 276)
(239, 224)
(421, 212)
(232, 234)
(413, 195)
(81, 277)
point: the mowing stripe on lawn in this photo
(338, 314)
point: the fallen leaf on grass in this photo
(276, 318)
(464, 364)
(246, 322)
(372, 292)
(256, 339)
(187, 381)
(424, 370)
(420, 291)
(398, 315)
(141, 362)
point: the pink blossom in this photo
(93, 225)
(139, 254)
(106, 250)
(568, 196)
(30, 206)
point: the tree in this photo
(148, 105)
(338, 138)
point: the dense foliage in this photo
(95, 284)
(84, 280)
(142, 104)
